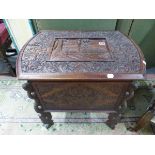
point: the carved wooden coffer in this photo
(80, 71)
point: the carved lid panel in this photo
(80, 55)
(80, 49)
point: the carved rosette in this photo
(45, 117)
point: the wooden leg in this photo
(113, 119)
(45, 117)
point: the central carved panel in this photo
(80, 49)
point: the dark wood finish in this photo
(128, 61)
(113, 119)
(80, 71)
(80, 49)
(80, 95)
(45, 117)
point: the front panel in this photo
(80, 95)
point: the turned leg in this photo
(45, 117)
(113, 119)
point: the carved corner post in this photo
(129, 95)
(45, 117)
(114, 118)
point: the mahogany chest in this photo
(80, 71)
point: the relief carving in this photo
(80, 49)
(45, 117)
(76, 95)
(125, 56)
